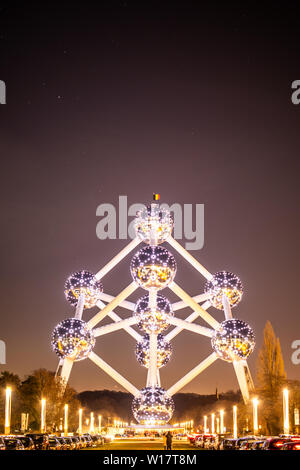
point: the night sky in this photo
(121, 99)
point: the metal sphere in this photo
(224, 282)
(153, 406)
(153, 267)
(164, 351)
(153, 319)
(83, 282)
(233, 340)
(153, 225)
(72, 339)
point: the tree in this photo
(271, 378)
(8, 379)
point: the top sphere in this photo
(153, 225)
(83, 282)
(153, 267)
(224, 282)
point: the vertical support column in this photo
(226, 306)
(153, 360)
(80, 307)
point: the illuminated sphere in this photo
(153, 225)
(226, 283)
(233, 340)
(155, 319)
(72, 339)
(153, 267)
(83, 282)
(152, 406)
(164, 351)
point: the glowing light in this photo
(99, 423)
(218, 425)
(234, 340)
(205, 425)
(80, 421)
(72, 339)
(7, 410)
(92, 425)
(153, 319)
(66, 419)
(213, 423)
(222, 421)
(43, 415)
(83, 282)
(286, 418)
(224, 282)
(255, 415)
(153, 225)
(164, 351)
(235, 428)
(153, 267)
(152, 406)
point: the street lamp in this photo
(92, 429)
(80, 421)
(235, 429)
(286, 419)
(99, 420)
(222, 421)
(255, 415)
(218, 425)
(7, 410)
(213, 423)
(66, 420)
(205, 425)
(43, 415)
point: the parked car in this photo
(54, 443)
(63, 444)
(40, 440)
(27, 442)
(83, 442)
(77, 442)
(293, 445)
(89, 441)
(257, 445)
(274, 443)
(71, 444)
(247, 444)
(11, 443)
(2, 444)
(240, 440)
(227, 444)
(201, 439)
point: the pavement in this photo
(142, 444)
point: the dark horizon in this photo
(191, 102)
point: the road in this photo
(142, 444)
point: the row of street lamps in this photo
(217, 423)
(7, 425)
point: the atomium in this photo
(153, 224)
(153, 267)
(164, 351)
(83, 282)
(153, 406)
(234, 340)
(72, 339)
(227, 283)
(153, 319)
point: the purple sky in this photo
(192, 104)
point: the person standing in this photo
(165, 440)
(169, 441)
